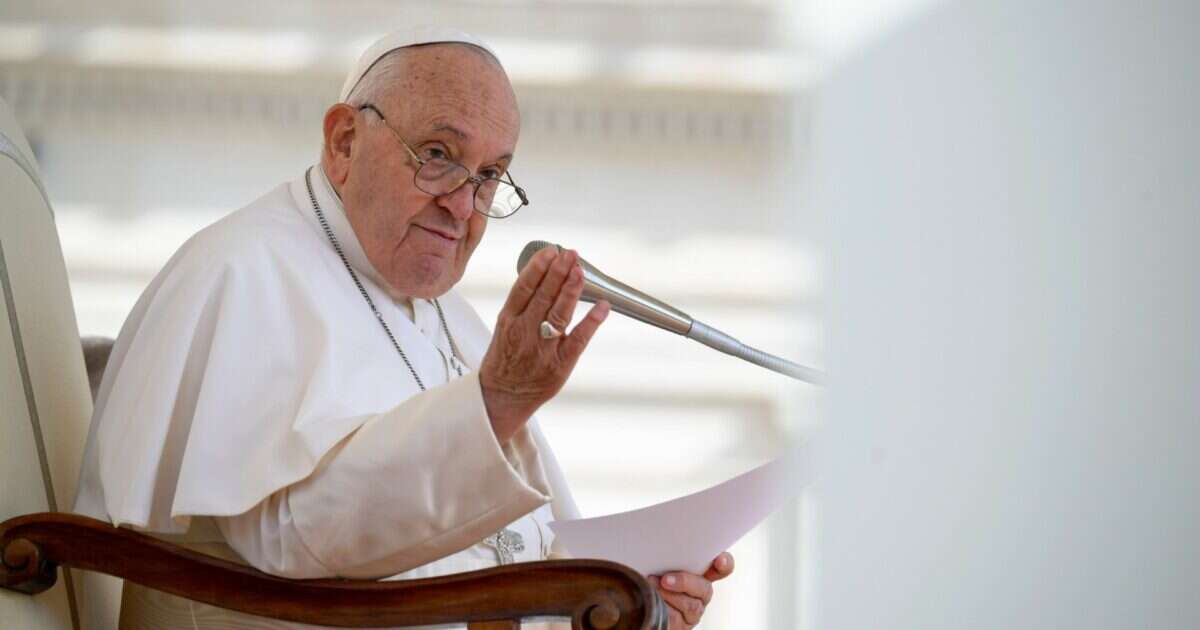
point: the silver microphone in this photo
(630, 302)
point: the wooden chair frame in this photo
(595, 594)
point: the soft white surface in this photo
(1014, 345)
(687, 533)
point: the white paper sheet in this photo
(687, 533)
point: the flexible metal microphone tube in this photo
(633, 303)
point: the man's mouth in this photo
(446, 234)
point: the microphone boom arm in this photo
(718, 340)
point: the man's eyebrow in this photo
(462, 135)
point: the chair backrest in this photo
(45, 402)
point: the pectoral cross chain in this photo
(505, 542)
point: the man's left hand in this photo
(688, 594)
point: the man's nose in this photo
(460, 202)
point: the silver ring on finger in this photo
(548, 330)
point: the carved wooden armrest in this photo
(593, 593)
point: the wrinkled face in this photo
(452, 102)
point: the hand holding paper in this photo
(688, 594)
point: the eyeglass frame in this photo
(472, 178)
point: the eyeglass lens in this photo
(492, 197)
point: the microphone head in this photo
(532, 248)
(623, 298)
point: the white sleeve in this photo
(416, 483)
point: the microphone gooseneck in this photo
(633, 303)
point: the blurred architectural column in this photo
(1014, 351)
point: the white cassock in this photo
(254, 408)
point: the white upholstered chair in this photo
(45, 402)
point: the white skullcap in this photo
(404, 38)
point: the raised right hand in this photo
(521, 370)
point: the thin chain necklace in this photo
(455, 358)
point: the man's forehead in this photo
(468, 101)
(450, 63)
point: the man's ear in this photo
(340, 133)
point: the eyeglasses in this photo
(439, 176)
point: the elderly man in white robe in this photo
(301, 389)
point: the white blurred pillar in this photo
(1013, 189)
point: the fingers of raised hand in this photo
(529, 279)
(575, 343)
(563, 309)
(551, 286)
(721, 568)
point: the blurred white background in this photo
(664, 139)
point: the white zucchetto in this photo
(404, 38)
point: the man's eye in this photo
(491, 173)
(434, 153)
